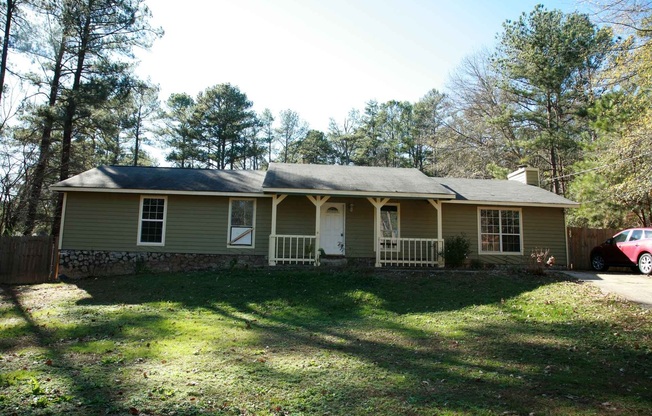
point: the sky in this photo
(321, 58)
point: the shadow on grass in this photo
(56, 355)
(401, 292)
(82, 388)
(418, 343)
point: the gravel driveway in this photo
(634, 287)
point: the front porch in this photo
(405, 252)
(352, 227)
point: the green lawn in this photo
(319, 342)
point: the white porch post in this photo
(378, 204)
(318, 201)
(437, 205)
(276, 199)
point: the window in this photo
(389, 225)
(242, 221)
(500, 231)
(151, 227)
(621, 237)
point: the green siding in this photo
(195, 224)
(359, 227)
(295, 216)
(543, 228)
(418, 219)
(96, 221)
(198, 224)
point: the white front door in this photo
(332, 228)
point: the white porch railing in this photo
(292, 249)
(410, 252)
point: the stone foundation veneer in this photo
(87, 263)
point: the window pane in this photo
(151, 222)
(621, 237)
(500, 230)
(490, 221)
(389, 221)
(241, 236)
(490, 242)
(510, 222)
(636, 235)
(151, 232)
(153, 208)
(242, 212)
(511, 243)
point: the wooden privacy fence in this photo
(580, 243)
(27, 259)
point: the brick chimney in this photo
(525, 174)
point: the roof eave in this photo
(363, 194)
(157, 191)
(516, 204)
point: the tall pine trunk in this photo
(38, 177)
(71, 111)
(9, 16)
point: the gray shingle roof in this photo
(166, 179)
(315, 179)
(353, 179)
(502, 191)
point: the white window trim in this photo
(140, 220)
(253, 226)
(398, 213)
(520, 227)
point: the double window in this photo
(500, 230)
(151, 224)
(242, 222)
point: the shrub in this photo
(539, 261)
(456, 249)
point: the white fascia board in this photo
(514, 204)
(364, 194)
(160, 192)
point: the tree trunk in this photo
(11, 5)
(137, 136)
(38, 177)
(71, 110)
(553, 153)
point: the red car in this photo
(629, 248)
